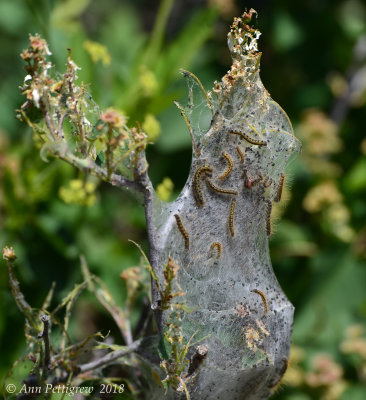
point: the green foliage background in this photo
(319, 247)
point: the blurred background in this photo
(313, 65)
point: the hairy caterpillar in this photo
(280, 374)
(182, 230)
(219, 248)
(220, 190)
(231, 217)
(248, 182)
(197, 183)
(249, 139)
(229, 168)
(240, 153)
(280, 188)
(267, 182)
(264, 299)
(268, 218)
(257, 180)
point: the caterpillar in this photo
(240, 153)
(205, 170)
(220, 190)
(182, 230)
(219, 248)
(249, 139)
(279, 188)
(264, 299)
(267, 182)
(229, 168)
(257, 180)
(231, 217)
(248, 182)
(268, 218)
(274, 382)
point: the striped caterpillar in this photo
(240, 153)
(219, 248)
(264, 299)
(249, 139)
(220, 190)
(267, 182)
(248, 182)
(268, 218)
(279, 188)
(182, 230)
(229, 168)
(231, 217)
(197, 183)
(274, 382)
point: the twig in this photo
(45, 336)
(93, 169)
(110, 357)
(186, 120)
(208, 100)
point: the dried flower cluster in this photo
(74, 129)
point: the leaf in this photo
(185, 47)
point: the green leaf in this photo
(356, 178)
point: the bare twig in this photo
(186, 120)
(109, 358)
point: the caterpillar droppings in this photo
(219, 248)
(249, 139)
(229, 168)
(197, 187)
(264, 299)
(279, 188)
(231, 217)
(182, 230)
(220, 190)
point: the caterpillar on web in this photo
(264, 299)
(219, 248)
(229, 168)
(268, 218)
(240, 153)
(248, 182)
(267, 182)
(182, 230)
(220, 190)
(197, 187)
(231, 217)
(249, 139)
(279, 188)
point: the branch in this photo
(93, 169)
(45, 335)
(143, 179)
(110, 357)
